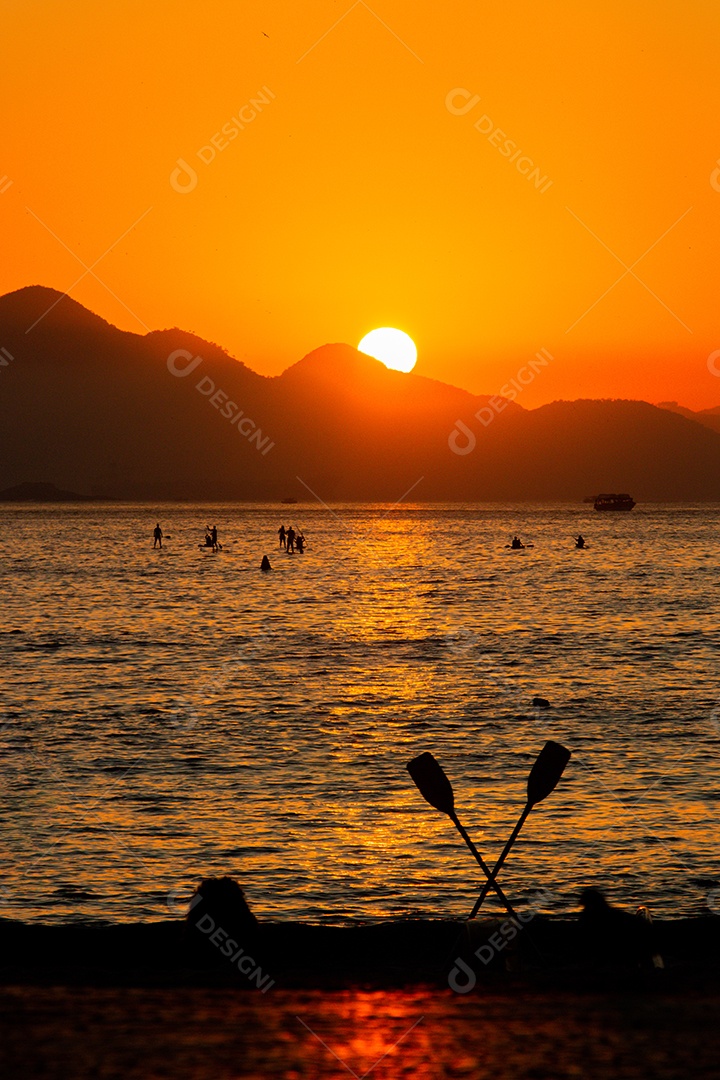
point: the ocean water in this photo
(169, 715)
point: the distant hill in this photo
(707, 417)
(166, 415)
(40, 493)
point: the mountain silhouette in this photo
(707, 417)
(167, 415)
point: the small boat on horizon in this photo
(614, 502)
(288, 502)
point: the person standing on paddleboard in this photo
(213, 536)
(158, 535)
(281, 534)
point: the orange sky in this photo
(354, 197)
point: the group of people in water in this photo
(516, 543)
(211, 537)
(290, 540)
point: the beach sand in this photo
(145, 1001)
(292, 1035)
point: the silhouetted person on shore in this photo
(580, 541)
(265, 564)
(290, 540)
(219, 902)
(158, 535)
(281, 534)
(612, 937)
(516, 544)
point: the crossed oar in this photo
(436, 789)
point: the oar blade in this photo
(432, 782)
(547, 770)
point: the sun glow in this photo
(393, 347)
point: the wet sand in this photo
(202, 1033)
(143, 1001)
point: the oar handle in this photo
(481, 862)
(498, 865)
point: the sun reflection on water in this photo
(168, 717)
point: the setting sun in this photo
(394, 348)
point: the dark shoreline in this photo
(549, 954)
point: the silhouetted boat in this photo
(288, 502)
(614, 502)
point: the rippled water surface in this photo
(166, 715)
